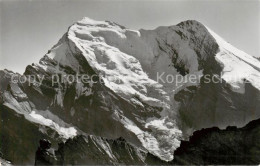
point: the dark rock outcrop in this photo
(43, 155)
(92, 150)
(214, 146)
(207, 146)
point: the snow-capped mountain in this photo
(134, 95)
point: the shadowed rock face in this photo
(216, 105)
(215, 146)
(94, 150)
(207, 146)
(19, 138)
(43, 155)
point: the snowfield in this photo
(238, 65)
(129, 62)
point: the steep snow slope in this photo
(238, 65)
(124, 74)
(121, 72)
(136, 58)
(133, 102)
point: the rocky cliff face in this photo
(123, 96)
(207, 146)
(214, 146)
(93, 150)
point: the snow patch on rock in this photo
(238, 66)
(65, 132)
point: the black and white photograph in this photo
(129, 82)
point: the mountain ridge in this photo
(142, 110)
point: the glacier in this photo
(158, 115)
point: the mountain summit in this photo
(139, 90)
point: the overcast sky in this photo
(29, 28)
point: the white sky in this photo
(29, 28)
